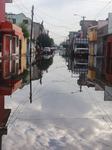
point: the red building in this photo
(9, 39)
(2, 9)
(9, 34)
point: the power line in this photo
(102, 10)
(23, 4)
(50, 23)
(59, 19)
(19, 7)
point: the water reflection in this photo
(14, 75)
(60, 117)
(85, 69)
(9, 83)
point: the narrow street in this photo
(63, 115)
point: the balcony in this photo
(93, 36)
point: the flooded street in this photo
(62, 115)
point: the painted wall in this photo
(102, 23)
(91, 74)
(23, 54)
(19, 18)
(2, 10)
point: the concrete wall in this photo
(36, 30)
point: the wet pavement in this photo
(62, 114)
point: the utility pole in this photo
(83, 22)
(31, 53)
(83, 25)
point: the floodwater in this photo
(62, 115)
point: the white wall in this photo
(110, 23)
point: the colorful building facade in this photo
(92, 35)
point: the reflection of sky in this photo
(60, 117)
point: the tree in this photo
(65, 46)
(44, 40)
(52, 42)
(24, 29)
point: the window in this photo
(14, 21)
(25, 21)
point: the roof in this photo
(9, 28)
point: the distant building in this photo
(72, 35)
(85, 25)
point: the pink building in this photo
(2, 9)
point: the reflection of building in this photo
(92, 35)
(83, 81)
(104, 54)
(106, 87)
(4, 115)
(77, 66)
(9, 83)
(108, 93)
(80, 65)
(101, 48)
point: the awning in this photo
(9, 28)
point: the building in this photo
(36, 30)
(72, 35)
(2, 9)
(9, 39)
(21, 18)
(84, 26)
(92, 35)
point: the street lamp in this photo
(83, 21)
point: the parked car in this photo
(47, 51)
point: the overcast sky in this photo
(58, 15)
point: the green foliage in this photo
(65, 46)
(52, 42)
(45, 41)
(25, 74)
(24, 30)
(45, 63)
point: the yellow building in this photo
(22, 54)
(21, 50)
(92, 35)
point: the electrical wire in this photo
(20, 7)
(99, 110)
(102, 10)
(16, 110)
(50, 23)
